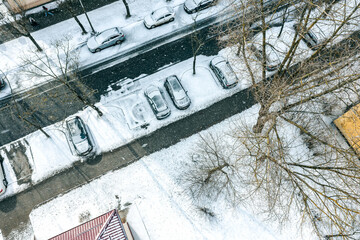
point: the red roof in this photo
(105, 227)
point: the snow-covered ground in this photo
(159, 207)
(125, 111)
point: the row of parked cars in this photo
(179, 96)
(114, 36)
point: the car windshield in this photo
(105, 35)
(159, 13)
(271, 54)
(175, 85)
(77, 131)
(158, 101)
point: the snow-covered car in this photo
(2, 81)
(3, 181)
(313, 37)
(157, 102)
(105, 39)
(276, 47)
(79, 136)
(272, 57)
(192, 6)
(177, 92)
(223, 72)
(159, 16)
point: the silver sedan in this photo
(177, 92)
(157, 102)
(105, 39)
(223, 72)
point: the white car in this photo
(276, 47)
(159, 16)
(79, 136)
(318, 34)
(3, 181)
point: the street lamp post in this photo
(87, 17)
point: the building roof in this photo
(349, 126)
(104, 227)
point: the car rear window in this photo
(158, 102)
(175, 85)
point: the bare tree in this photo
(290, 155)
(63, 67)
(24, 116)
(18, 22)
(197, 40)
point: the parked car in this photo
(105, 39)
(313, 37)
(177, 92)
(273, 60)
(79, 136)
(277, 47)
(192, 6)
(159, 16)
(3, 181)
(157, 102)
(2, 81)
(223, 72)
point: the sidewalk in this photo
(59, 16)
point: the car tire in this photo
(6, 183)
(152, 26)
(118, 42)
(171, 19)
(97, 50)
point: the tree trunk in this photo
(194, 64)
(34, 41)
(262, 119)
(80, 24)
(127, 9)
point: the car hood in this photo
(190, 4)
(82, 147)
(91, 43)
(148, 20)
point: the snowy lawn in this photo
(159, 207)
